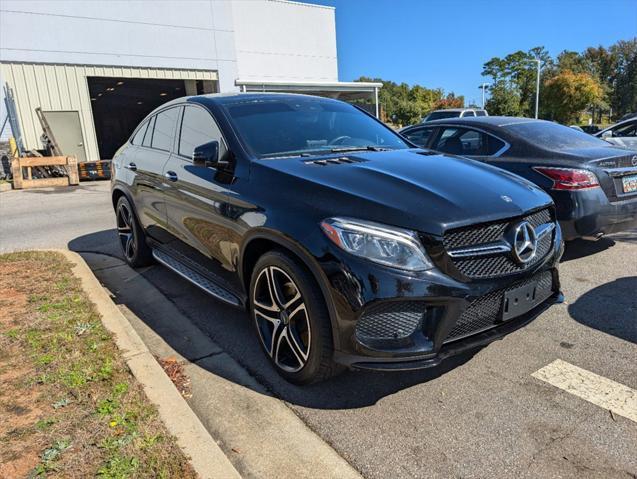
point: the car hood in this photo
(413, 189)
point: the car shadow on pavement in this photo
(581, 248)
(231, 330)
(611, 308)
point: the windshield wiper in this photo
(359, 148)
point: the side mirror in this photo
(207, 155)
(607, 134)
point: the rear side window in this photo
(198, 127)
(164, 129)
(148, 136)
(481, 113)
(419, 136)
(468, 113)
(462, 141)
(139, 136)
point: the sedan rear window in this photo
(553, 135)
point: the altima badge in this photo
(634, 160)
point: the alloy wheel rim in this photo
(282, 319)
(125, 231)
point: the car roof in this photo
(482, 120)
(225, 98)
(458, 109)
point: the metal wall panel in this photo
(64, 87)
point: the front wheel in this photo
(291, 319)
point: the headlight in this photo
(382, 244)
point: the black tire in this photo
(132, 238)
(316, 343)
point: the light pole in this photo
(483, 87)
(537, 88)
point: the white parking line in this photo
(591, 387)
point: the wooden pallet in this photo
(21, 165)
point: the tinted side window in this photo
(164, 129)
(198, 127)
(468, 113)
(627, 130)
(139, 136)
(419, 136)
(148, 136)
(493, 144)
(481, 113)
(461, 141)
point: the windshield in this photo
(275, 127)
(439, 115)
(554, 136)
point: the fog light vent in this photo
(390, 320)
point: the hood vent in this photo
(334, 161)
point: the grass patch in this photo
(69, 404)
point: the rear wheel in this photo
(131, 236)
(291, 319)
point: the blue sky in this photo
(444, 43)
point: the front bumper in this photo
(356, 287)
(588, 213)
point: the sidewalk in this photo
(260, 435)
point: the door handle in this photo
(131, 166)
(170, 176)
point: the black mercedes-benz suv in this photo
(348, 245)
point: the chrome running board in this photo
(196, 278)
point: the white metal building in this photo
(95, 68)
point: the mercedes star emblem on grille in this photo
(524, 242)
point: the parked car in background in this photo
(455, 113)
(593, 183)
(348, 246)
(622, 134)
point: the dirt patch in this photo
(69, 405)
(175, 371)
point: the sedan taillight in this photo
(569, 178)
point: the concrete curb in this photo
(5, 187)
(206, 456)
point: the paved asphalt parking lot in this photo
(480, 415)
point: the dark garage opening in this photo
(119, 104)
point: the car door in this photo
(202, 213)
(147, 165)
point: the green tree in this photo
(503, 100)
(567, 94)
(405, 105)
(517, 72)
(623, 96)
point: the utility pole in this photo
(483, 87)
(537, 89)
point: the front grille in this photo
(485, 312)
(481, 267)
(393, 320)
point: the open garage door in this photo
(119, 104)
